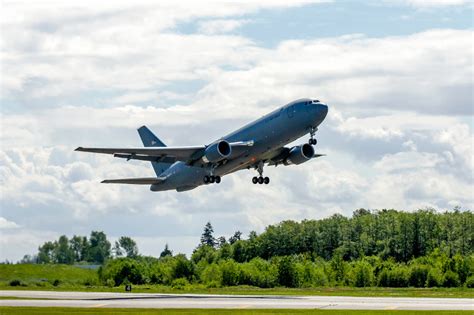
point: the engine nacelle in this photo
(217, 152)
(300, 154)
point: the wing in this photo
(179, 153)
(135, 181)
(163, 154)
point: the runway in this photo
(142, 300)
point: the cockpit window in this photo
(315, 101)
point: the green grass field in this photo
(85, 311)
(70, 278)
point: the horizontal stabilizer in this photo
(135, 181)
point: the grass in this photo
(71, 278)
(44, 277)
(120, 311)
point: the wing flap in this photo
(134, 181)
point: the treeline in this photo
(386, 248)
(79, 249)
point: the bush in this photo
(397, 277)
(451, 279)
(16, 283)
(123, 269)
(287, 275)
(180, 283)
(211, 273)
(434, 279)
(418, 276)
(259, 272)
(183, 268)
(470, 282)
(362, 274)
(213, 284)
(56, 282)
(230, 272)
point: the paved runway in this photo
(142, 300)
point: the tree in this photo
(46, 253)
(99, 247)
(207, 237)
(166, 252)
(236, 237)
(80, 247)
(126, 245)
(221, 241)
(62, 252)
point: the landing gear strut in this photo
(312, 132)
(210, 179)
(260, 179)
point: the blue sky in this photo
(397, 76)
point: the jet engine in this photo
(217, 152)
(299, 154)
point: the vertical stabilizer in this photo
(150, 140)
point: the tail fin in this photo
(150, 140)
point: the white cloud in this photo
(220, 26)
(5, 224)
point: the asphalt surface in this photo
(141, 300)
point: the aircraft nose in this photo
(323, 110)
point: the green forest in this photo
(379, 248)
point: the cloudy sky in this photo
(397, 76)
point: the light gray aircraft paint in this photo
(252, 146)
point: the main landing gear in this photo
(312, 132)
(210, 179)
(260, 179)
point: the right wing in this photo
(164, 154)
(135, 181)
(179, 153)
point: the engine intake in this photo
(217, 151)
(300, 154)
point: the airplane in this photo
(250, 147)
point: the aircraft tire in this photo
(266, 180)
(254, 180)
(206, 179)
(260, 180)
(212, 179)
(218, 179)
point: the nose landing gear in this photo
(260, 179)
(312, 132)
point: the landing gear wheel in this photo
(218, 179)
(312, 132)
(260, 180)
(255, 180)
(212, 179)
(206, 179)
(266, 180)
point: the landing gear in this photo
(210, 179)
(260, 179)
(312, 132)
